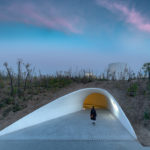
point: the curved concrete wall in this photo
(67, 104)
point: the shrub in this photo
(6, 101)
(148, 87)
(36, 92)
(2, 105)
(132, 90)
(146, 116)
(59, 82)
(16, 108)
(85, 80)
(15, 91)
(29, 97)
(9, 100)
(2, 85)
(64, 82)
(30, 91)
(6, 112)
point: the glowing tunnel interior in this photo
(95, 99)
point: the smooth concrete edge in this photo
(73, 145)
(67, 104)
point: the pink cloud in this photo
(46, 16)
(129, 15)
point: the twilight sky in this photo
(61, 34)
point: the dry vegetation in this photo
(23, 92)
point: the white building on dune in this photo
(117, 71)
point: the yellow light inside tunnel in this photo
(95, 99)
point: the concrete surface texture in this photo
(67, 104)
(76, 126)
(73, 131)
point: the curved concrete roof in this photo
(67, 104)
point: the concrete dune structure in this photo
(65, 124)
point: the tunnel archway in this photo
(95, 99)
(71, 103)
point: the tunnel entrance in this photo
(95, 99)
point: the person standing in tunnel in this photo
(93, 115)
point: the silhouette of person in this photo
(93, 115)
